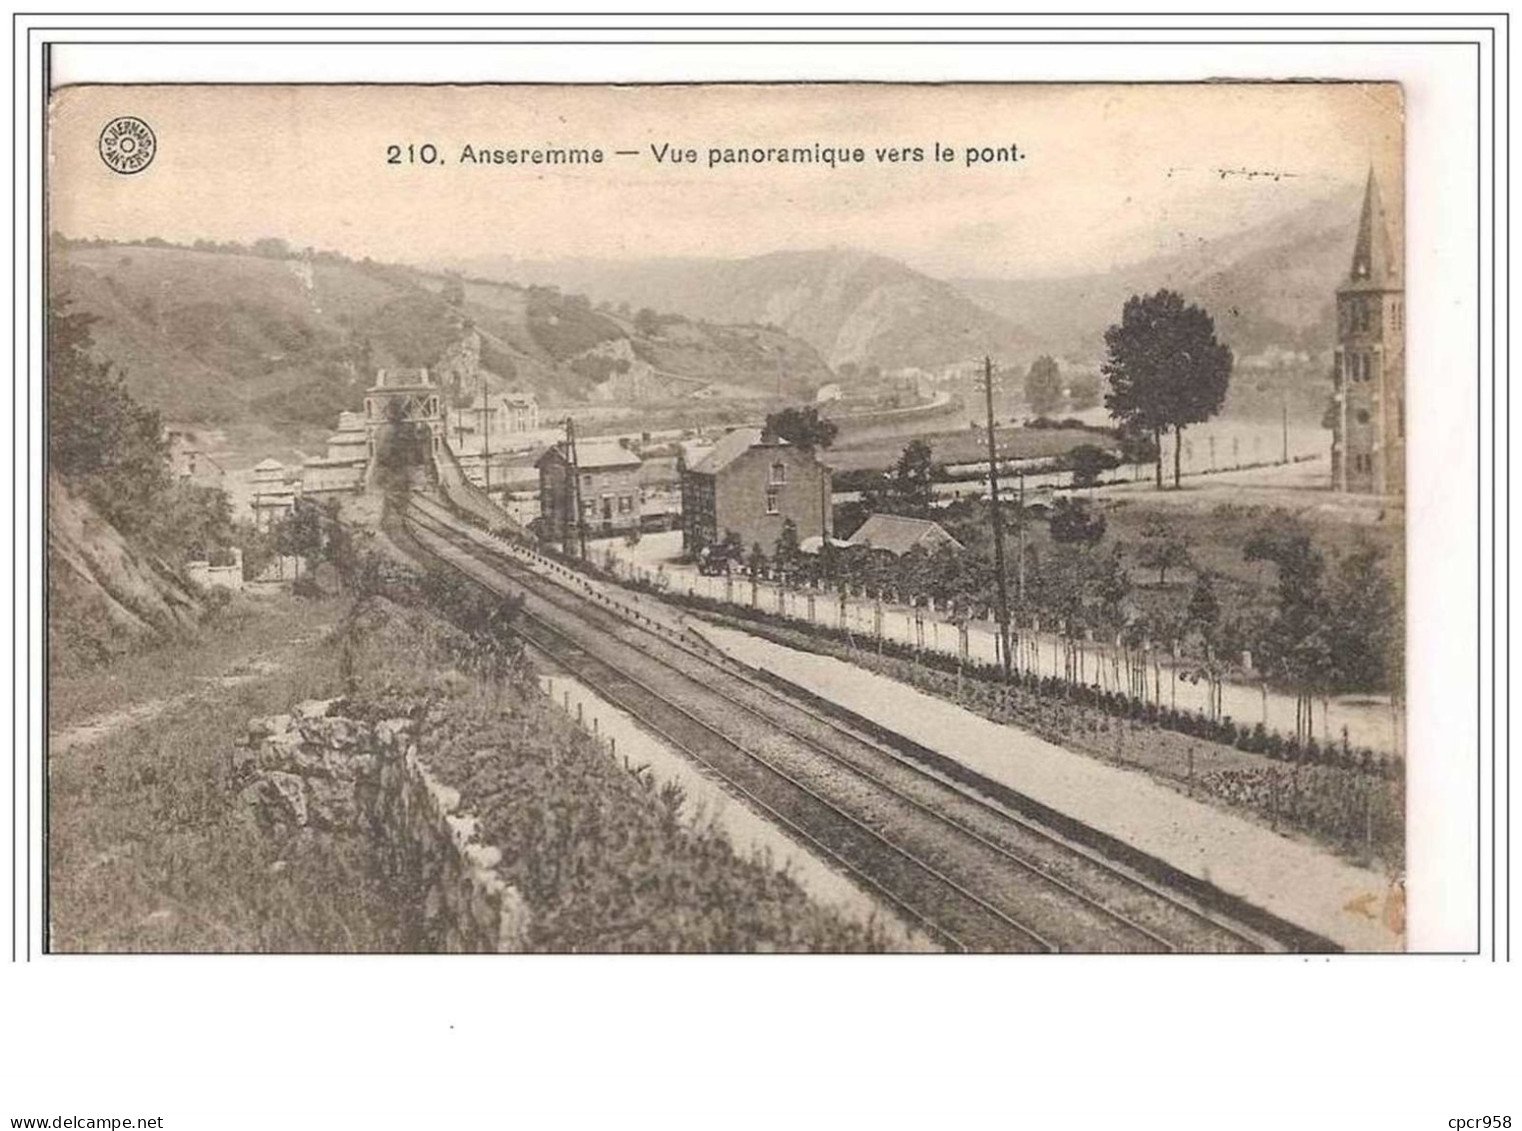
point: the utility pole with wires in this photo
(993, 494)
(1020, 562)
(483, 421)
(574, 471)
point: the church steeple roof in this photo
(1375, 266)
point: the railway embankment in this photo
(500, 823)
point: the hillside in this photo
(104, 593)
(218, 337)
(850, 306)
(1268, 287)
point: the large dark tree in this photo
(1088, 462)
(1165, 368)
(1072, 523)
(802, 427)
(911, 487)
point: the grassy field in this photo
(965, 445)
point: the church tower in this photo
(1369, 371)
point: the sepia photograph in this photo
(726, 518)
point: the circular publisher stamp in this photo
(127, 145)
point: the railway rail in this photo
(972, 873)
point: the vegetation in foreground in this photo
(605, 858)
(151, 849)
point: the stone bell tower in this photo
(1369, 372)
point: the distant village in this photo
(746, 484)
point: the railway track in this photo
(974, 874)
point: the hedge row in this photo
(1252, 739)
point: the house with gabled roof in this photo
(603, 474)
(750, 484)
(898, 535)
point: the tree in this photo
(911, 488)
(731, 550)
(1043, 386)
(272, 247)
(1088, 463)
(787, 547)
(1204, 611)
(1072, 524)
(1137, 446)
(101, 441)
(802, 427)
(1163, 548)
(194, 521)
(1366, 629)
(301, 533)
(1297, 644)
(1166, 369)
(647, 323)
(755, 565)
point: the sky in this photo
(1107, 173)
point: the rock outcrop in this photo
(317, 769)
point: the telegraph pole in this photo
(483, 417)
(1020, 564)
(993, 491)
(575, 492)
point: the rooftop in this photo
(899, 535)
(731, 447)
(596, 454)
(402, 379)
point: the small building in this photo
(520, 413)
(750, 484)
(899, 535)
(604, 476)
(274, 493)
(492, 423)
(343, 467)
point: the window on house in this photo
(779, 472)
(625, 504)
(1363, 416)
(1397, 314)
(772, 506)
(586, 482)
(1360, 314)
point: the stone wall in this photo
(317, 769)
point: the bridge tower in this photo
(401, 402)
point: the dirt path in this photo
(91, 731)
